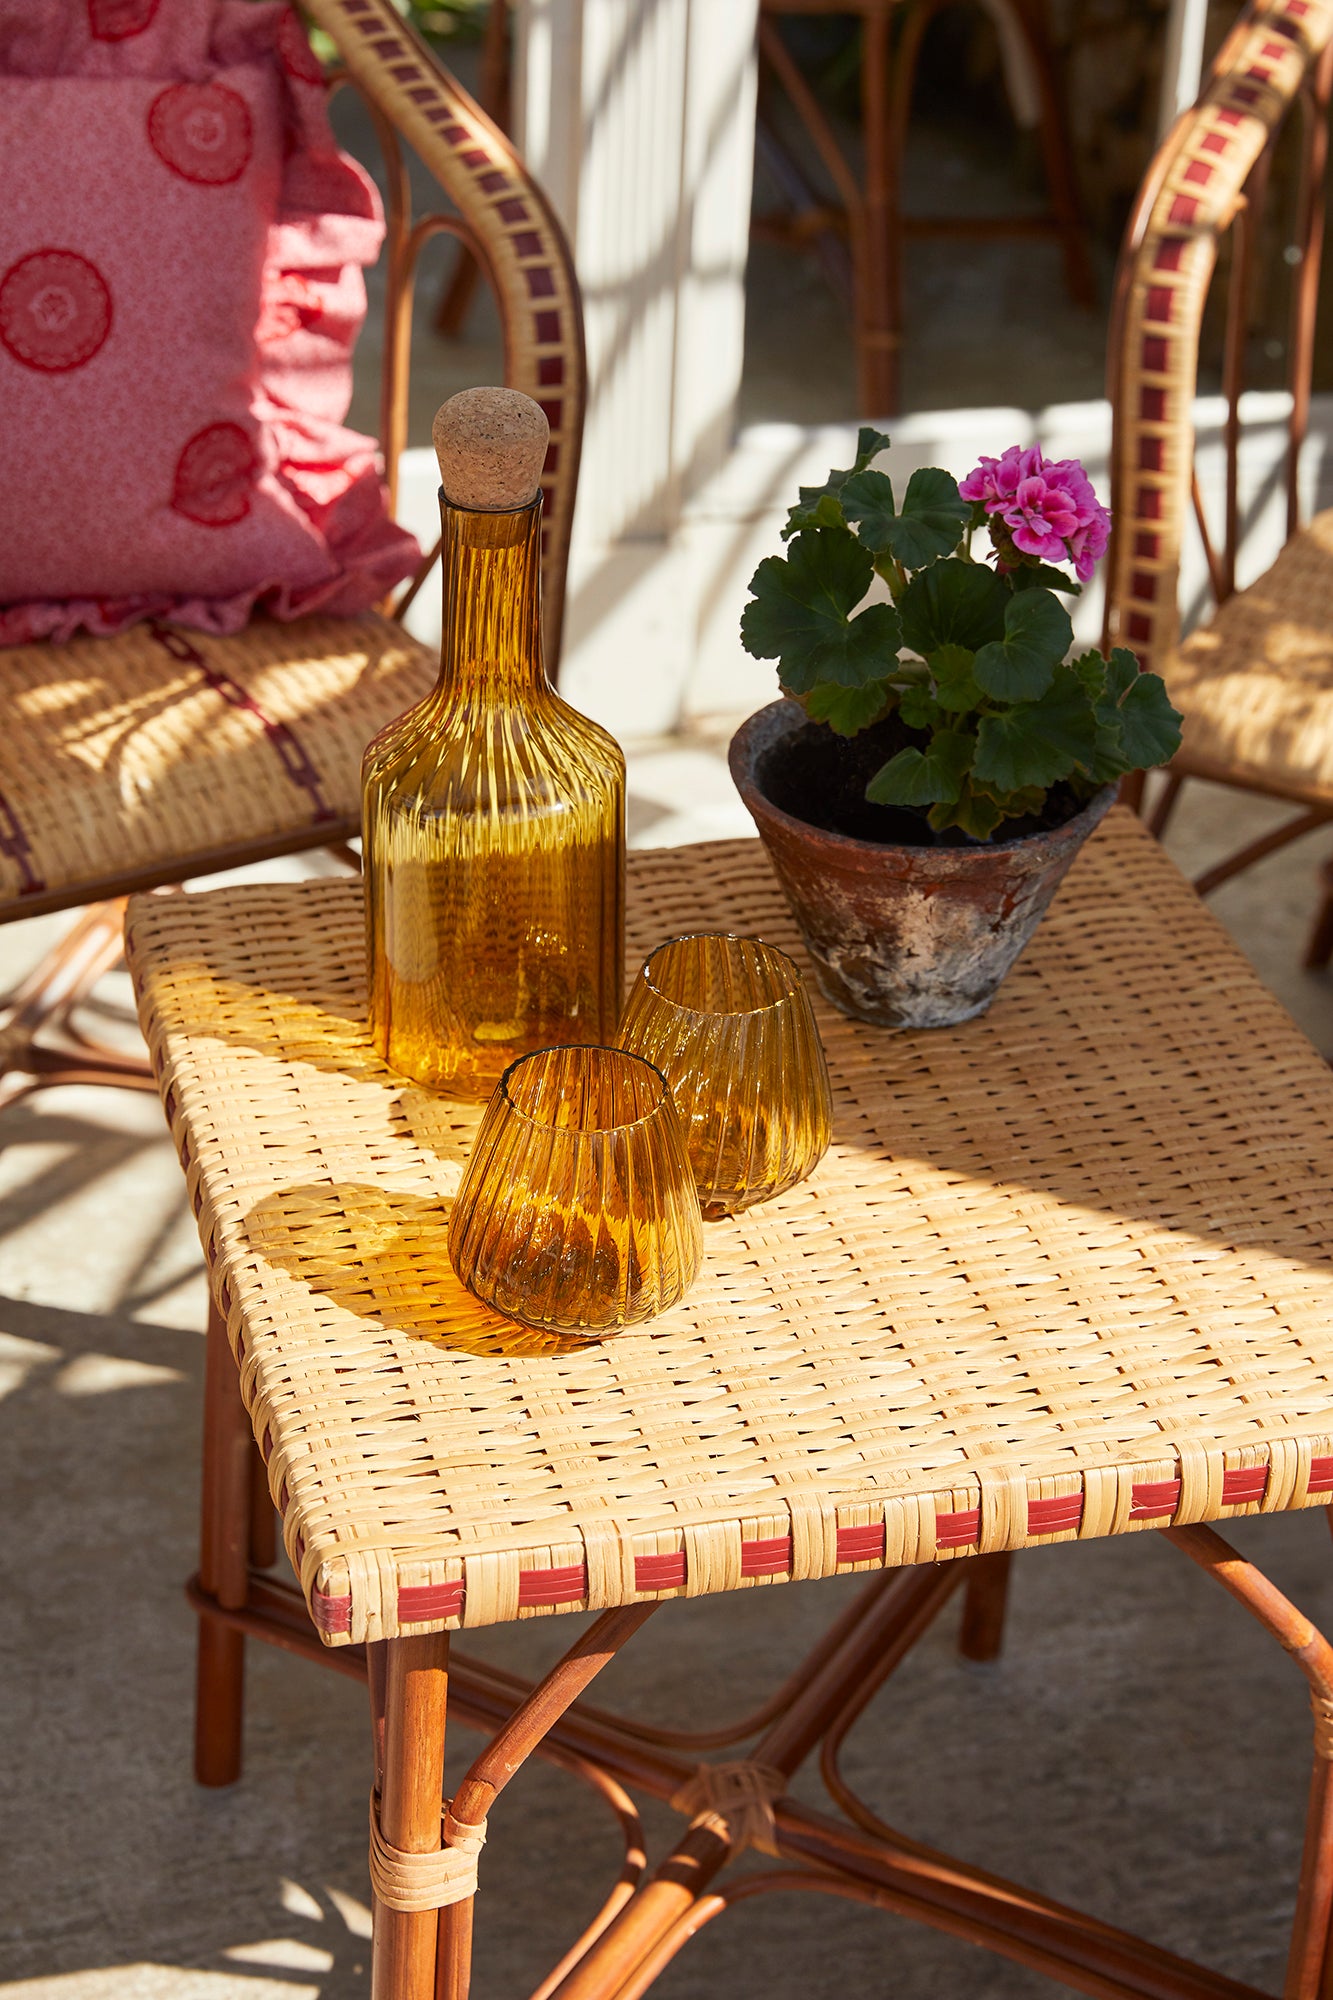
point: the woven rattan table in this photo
(1064, 1273)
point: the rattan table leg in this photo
(1307, 1959)
(223, 1563)
(263, 1516)
(416, 1681)
(981, 1633)
(506, 1753)
(892, 1622)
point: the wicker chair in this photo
(1255, 681)
(162, 754)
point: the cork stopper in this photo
(491, 444)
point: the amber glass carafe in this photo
(494, 837)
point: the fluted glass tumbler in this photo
(728, 1022)
(577, 1212)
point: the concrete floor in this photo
(1139, 1749)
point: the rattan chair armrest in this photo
(512, 227)
(1190, 197)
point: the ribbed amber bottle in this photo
(493, 837)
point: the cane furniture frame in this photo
(160, 754)
(1064, 1273)
(1256, 694)
(869, 212)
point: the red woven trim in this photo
(553, 1586)
(331, 1614)
(288, 749)
(1152, 1500)
(422, 1602)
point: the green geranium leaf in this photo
(867, 499)
(929, 526)
(1038, 742)
(800, 614)
(932, 520)
(1091, 670)
(921, 778)
(1027, 799)
(1150, 726)
(955, 683)
(847, 709)
(1037, 635)
(1135, 714)
(819, 506)
(974, 810)
(825, 513)
(1119, 672)
(953, 603)
(918, 706)
(1034, 576)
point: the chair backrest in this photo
(1209, 178)
(505, 220)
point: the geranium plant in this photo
(971, 654)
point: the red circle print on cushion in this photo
(117, 20)
(55, 310)
(295, 53)
(201, 131)
(214, 476)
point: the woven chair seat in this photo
(1255, 685)
(126, 760)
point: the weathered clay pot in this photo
(905, 937)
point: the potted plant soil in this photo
(938, 760)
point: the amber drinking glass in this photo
(577, 1211)
(728, 1022)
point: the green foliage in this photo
(809, 512)
(1037, 633)
(953, 603)
(928, 527)
(1038, 742)
(847, 710)
(801, 614)
(925, 777)
(983, 678)
(1034, 575)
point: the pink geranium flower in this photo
(1046, 508)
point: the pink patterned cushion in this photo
(181, 252)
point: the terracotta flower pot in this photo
(905, 937)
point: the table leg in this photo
(1308, 1972)
(982, 1631)
(890, 1624)
(263, 1516)
(415, 1687)
(878, 252)
(224, 1551)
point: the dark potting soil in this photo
(821, 778)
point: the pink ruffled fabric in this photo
(181, 288)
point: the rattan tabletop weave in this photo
(1065, 1270)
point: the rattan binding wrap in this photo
(1065, 1271)
(404, 1880)
(1200, 178)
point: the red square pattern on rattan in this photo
(1064, 1271)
